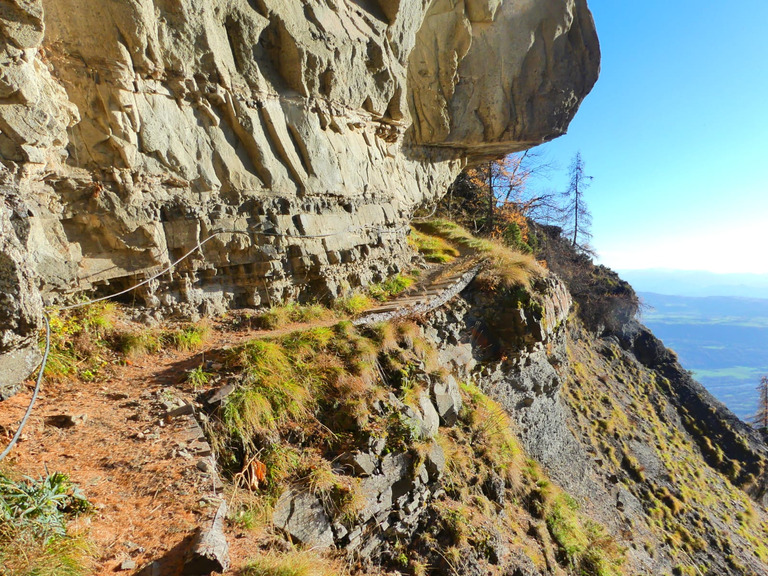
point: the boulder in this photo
(447, 398)
(302, 516)
(209, 551)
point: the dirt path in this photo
(141, 470)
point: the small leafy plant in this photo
(33, 526)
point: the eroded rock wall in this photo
(131, 130)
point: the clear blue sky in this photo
(675, 134)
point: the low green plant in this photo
(432, 248)
(198, 377)
(33, 526)
(564, 526)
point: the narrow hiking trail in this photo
(135, 451)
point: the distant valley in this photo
(722, 339)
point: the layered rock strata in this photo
(131, 131)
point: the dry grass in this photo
(508, 268)
(492, 432)
(294, 563)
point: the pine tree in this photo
(760, 419)
(576, 215)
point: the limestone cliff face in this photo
(130, 130)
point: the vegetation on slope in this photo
(507, 267)
(305, 398)
(619, 406)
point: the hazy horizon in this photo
(697, 283)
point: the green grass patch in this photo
(391, 288)
(139, 342)
(433, 248)
(293, 563)
(279, 316)
(354, 303)
(80, 341)
(189, 338)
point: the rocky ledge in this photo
(311, 131)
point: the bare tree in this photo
(760, 419)
(577, 218)
(487, 196)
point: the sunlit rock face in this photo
(131, 130)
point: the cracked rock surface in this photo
(131, 130)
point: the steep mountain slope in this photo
(494, 435)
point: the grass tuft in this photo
(293, 563)
(140, 342)
(353, 304)
(279, 316)
(433, 248)
(391, 288)
(509, 268)
(190, 338)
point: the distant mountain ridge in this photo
(693, 283)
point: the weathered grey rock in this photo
(447, 397)
(133, 130)
(20, 302)
(359, 463)
(302, 515)
(209, 551)
(493, 488)
(430, 420)
(434, 462)
(15, 366)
